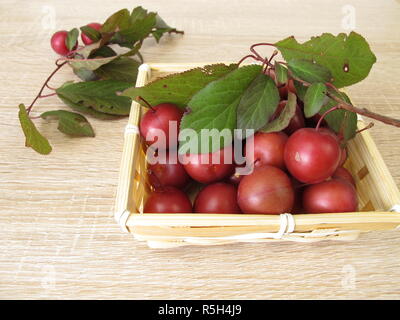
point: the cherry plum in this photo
(217, 198)
(336, 195)
(159, 119)
(311, 156)
(267, 190)
(168, 200)
(211, 167)
(85, 39)
(268, 149)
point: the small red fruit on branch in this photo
(94, 25)
(58, 43)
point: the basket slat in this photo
(229, 224)
(130, 155)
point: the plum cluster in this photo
(297, 170)
(59, 40)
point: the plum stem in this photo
(39, 95)
(268, 62)
(246, 57)
(260, 44)
(47, 95)
(369, 126)
(147, 103)
(323, 116)
(49, 87)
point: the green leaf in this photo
(84, 58)
(85, 74)
(215, 107)
(139, 28)
(72, 38)
(283, 120)
(138, 14)
(348, 57)
(121, 69)
(89, 75)
(340, 118)
(258, 103)
(103, 52)
(91, 33)
(33, 138)
(89, 64)
(99, 95)
(85, 52)
(116, 20)
(178, 88)
(87, 110)
(134, 28)
(300, 89)
(70, 123)
(160, 23)
(309, 71)
(161, 28)
(133, 51)
(158, 33)
(281, 73)
(314, 99)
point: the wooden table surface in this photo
(58, 238)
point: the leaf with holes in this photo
(308, 71)
(179, 88)
(70, 123)
(99, 95)
(33, 137)
(257, 104)
(348, 57)
(314, 99)
(214, 108)
(283, 120)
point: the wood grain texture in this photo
(58, 238)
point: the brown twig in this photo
(346, 106)
(364, 112)
(246, 57)
(369, 126)
(47, 95)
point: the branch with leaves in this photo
(106, 66)
(229, 97)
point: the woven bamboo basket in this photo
(379, 198)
